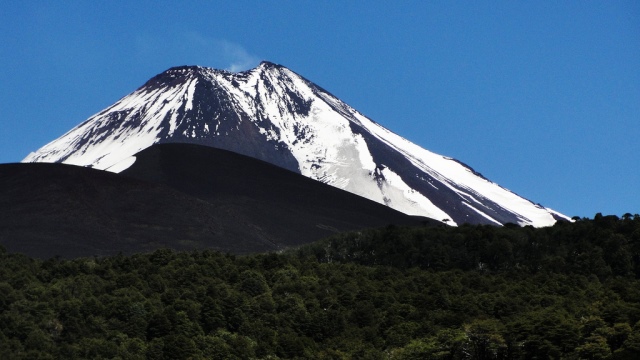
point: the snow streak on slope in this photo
(273, 114)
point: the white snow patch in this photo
(481, 213)
(403, 198)
(189, 96)
(122, 165)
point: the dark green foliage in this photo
(475, 292)
(603, 247)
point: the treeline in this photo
(570, 291)
(605, 246)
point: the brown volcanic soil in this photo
(178, 196)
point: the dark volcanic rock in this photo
(178, 196)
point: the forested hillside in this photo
(570, 291)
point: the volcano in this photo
(273, 114)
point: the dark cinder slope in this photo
(53, 209)
(284, 205)
(183, 197)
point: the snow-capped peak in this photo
(273, 114)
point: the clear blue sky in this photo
(542, 97)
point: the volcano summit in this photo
(275, 115)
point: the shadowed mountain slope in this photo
(178, 196)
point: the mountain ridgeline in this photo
(273, 114)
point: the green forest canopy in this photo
(569, 291)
